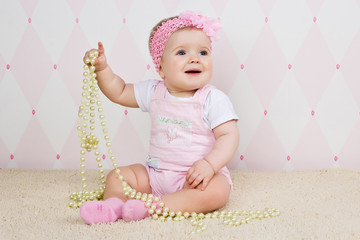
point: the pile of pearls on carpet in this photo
(90, 104)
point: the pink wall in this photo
(291, 69)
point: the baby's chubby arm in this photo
(227, 140)
(113, 87)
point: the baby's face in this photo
(186, 64)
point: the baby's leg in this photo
(189, 200)
(135, 175)
(111, 209)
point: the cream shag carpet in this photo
(316, 204)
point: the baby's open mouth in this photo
(193, 71)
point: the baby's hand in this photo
(200, 172)
(100, 62)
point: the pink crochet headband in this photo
(185, 19)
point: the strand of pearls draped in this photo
(90, 104)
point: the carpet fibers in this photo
(314, 204)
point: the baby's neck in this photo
(182, 94)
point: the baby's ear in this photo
(161, 73)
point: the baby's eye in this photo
(204, 53)
(181, 52)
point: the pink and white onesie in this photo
(179, 137)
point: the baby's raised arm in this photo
(113, 86)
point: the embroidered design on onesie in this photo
(173, 131)
(152, 162)
(171, 134)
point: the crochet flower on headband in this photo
(185, 19)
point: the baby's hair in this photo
(153, 30)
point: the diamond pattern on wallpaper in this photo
(13, 22)
(123, 6)
(264, 73)
(202, 6)
(15, 114)
(29, 6)
(171, 6)
(312, 150)
(350, 68)
(265, 150)
(335, 25)
(58, 164)
(314, 66)
(76, 6)
(289, 165)
(153, 11)
(336, 115)
(290, 112)
(2, 67)
(219, 6)
(266, 6)
(70, 66)
(70, 154)
(27, 71)
(242, 22)
(350, 154)
(125, 58)
(123, 144)
(225, 72)
(289, 67)
(4, 155)
(94, 27)
(56, 112)
(142, 125)
(315, 6)
(290, 27)
(12, 164)
(248, 108)
(35, 147)
(238, 162)
(53, 21)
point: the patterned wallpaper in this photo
(290, 67)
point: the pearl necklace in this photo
(90, 104)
